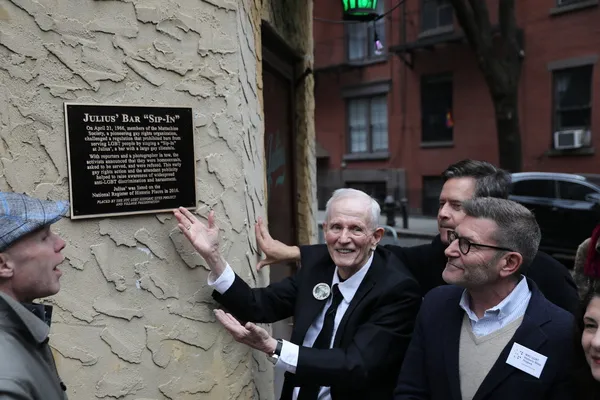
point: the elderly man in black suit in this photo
(354, 306)
(464, 180)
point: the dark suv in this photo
(566, 206)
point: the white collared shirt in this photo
(495, 318)
(288, 360)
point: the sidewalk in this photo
(418, 226)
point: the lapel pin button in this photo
(321, 291)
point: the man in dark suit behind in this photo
(354, 307)
(469, 179)
(464, 180)
(493, 336)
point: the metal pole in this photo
(404, 206)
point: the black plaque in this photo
(129, 159)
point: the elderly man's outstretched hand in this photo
(249, 334)
(205, 239)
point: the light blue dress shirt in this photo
(509, 309)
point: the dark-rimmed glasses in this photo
(464, 244)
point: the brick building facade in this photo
(391, 123)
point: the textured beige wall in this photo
(134, 318)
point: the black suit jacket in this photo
(427, 262)
(371, 339)
(430, 369)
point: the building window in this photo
(572, 98)
(436, 14)
(367, 124)
(430, 195)
(437, 121)
(360, 38)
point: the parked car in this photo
(566, 206)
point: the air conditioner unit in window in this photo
(571, 139)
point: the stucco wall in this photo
(134, 317)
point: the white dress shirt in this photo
(509, 309)
(288, 360)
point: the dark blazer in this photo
(371, 339)
(430, 369)
(427, 262)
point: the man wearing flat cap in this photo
(29, 256)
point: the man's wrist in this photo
(294, 253)
(216, 264)
(274, 347)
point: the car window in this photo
(573, 191)
(534, 188)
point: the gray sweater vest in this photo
(477, 355)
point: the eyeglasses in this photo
(464, 244)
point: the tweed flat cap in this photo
(21, 214)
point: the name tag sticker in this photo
(526, 360)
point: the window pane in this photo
(574, 118)
(572, 97)
(534, 188)
(379, 128)
(436, 108)
(435, 13)
(357, 40)
(573, 87)
(358, 141)
(445, 14)
(573, 191)
(428, 14)
(357, 121)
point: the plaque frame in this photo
(157, 210)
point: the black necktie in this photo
(323, 341)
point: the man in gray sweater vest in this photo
(491, 334)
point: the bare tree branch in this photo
(501, 70)
(482, 19)
(466, 20)
(509, 33)
(482, 46)
(508, 27)
(506, 18)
